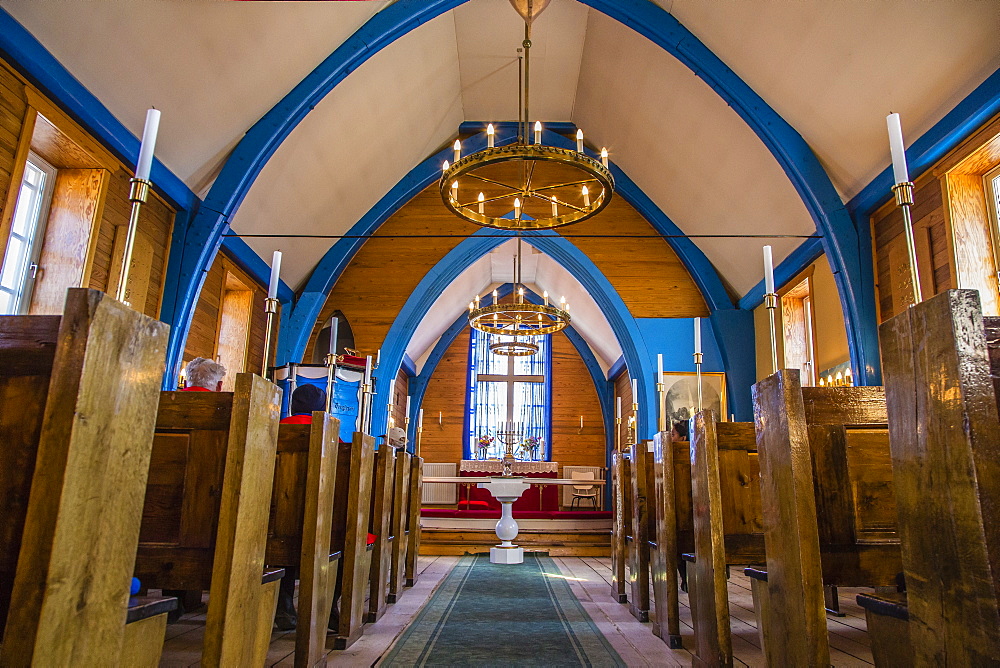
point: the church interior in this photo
(499, 332)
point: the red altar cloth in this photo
(471, 497)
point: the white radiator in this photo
(440, 492)
(567, 492)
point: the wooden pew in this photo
(663, 544)
(621, 518)
(351, 513)
(828, 507)
(301, 525)
(204, 521)
(941, 361)
(728, 527)
(77, 404)
(381, 527)
(400, 524)
(641, 486)
(413, 519)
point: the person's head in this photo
(205, 373)
(679, 432)
(397, 437)
(308, 398)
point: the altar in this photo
(539, 497)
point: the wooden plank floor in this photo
(589, 579)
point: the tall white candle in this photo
(145, 161)
(334, 326)
(659, 368)
(368, 369)
(697, 335)
(538, 132)
(768, 271)
(272, 286)
(490, 137)
(618, 409)
(392, 391)
(635, 391)
(899, 171)
(579, 141)
(458, 150)
(378, 356)
(407, 406)
(581, 422)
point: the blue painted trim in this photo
(736, 338)
(807, 252)
(470, 399)
(248, 260)
(548, 398)
(968, 115)
(616, 368)
(20, 48)
(410, 369)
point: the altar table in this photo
(540, 496)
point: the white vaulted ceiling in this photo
(831, 69)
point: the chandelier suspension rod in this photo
(527, 70)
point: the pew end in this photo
(145, 629)
(888, 620)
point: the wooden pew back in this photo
(640, 471)
(400, 524)
(381, 527)
(413, 520)
(352, 511)
(84, 402)
(664, 554)
(941, 372)
(301, 526)
(621, 519)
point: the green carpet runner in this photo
(487, 614)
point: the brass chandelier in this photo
(547, 186)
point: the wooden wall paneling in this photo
(574, 395)
(445, 399)
(970, 228)
(17, 124)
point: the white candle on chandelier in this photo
(538, 132)
(482, 205)
(697, 335)
(545, 297)
(562, 301)
(458, 150)
(490, 137)
(445, 166)
(579, 141)
(586, 196)
(494, 296)
(604, 157)
(520, 295)
(899, 172)
(472, 307)
(555, 207)
(768, 271)
(272, 286)
(477, 301)
(145, 162)
(517, 207)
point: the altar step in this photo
(575, 543)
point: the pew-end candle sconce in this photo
(903, 190)
(138, 194)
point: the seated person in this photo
(679, 432)
(305, 399)
(203, 375)
(397, 438)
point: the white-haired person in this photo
(203, 375)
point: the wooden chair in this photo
(77, 405)
(641, 486)
(581, 492)
(728, 527)
(399, 526)
(621, 502)
(204, 522)
(413, 519)
(381, 528)
(301, 525)
(828, 507)
(351, 514)
(941, 361)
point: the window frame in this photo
(991, 188)
(36, 241)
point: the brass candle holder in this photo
(631, 437)
(618, 434)
(138, 194)
(331, 379)
(904, 199)
(661, 401)
(697, 369)
(271, 305)
(406, 428)
(771, 303)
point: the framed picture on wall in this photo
(682, 394)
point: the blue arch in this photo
(847, 250)
(572, 259)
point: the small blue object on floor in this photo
(136, 586)
(487, 614)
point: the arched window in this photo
(345, 338)
(509, 399)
